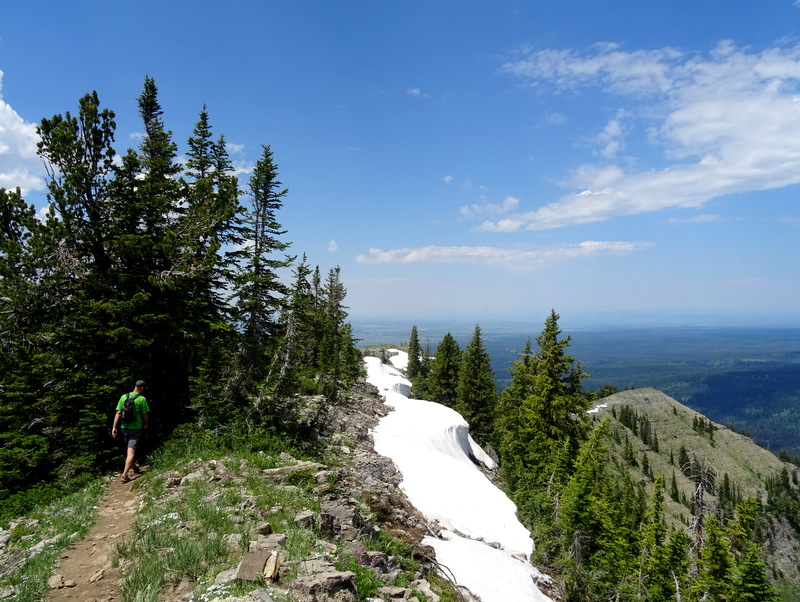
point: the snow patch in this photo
(485, 545)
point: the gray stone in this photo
(264, 528)
(339, 585)
(234, 542)
(251, 567)
(304, 518)
(226, 576)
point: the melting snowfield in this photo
(484, 546)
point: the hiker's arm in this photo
(145, 419)
(116, 422)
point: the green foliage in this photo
(542, 418)
(441, 382)
(415, 368)
(476, 393)
(148, 268)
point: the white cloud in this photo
(485, 208)
(20, 166)
(519, 257)
(234, 148)
(447, 179)
(610, 137)
(332, 246)
(727, 123)
(704, 218)
(414, 92)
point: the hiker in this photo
(132, 427)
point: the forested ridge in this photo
(626, 504)
(146, 266)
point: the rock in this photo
(97, 576)
(56, 581)
(9, 592)
(273, 566)
(234, 541)
(251, 567)
(424, 588)
(264, 528)
(198, 475)
(304, 519)
(276, 539)
(336, 585)
(226, 576)
(392, 592)
(311, 566)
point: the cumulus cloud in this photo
(726, 123)
(20, 166)
(447, 179)
(517, 257)
(332, 246)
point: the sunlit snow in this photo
(484, 546)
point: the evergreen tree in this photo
(714, 563)
(259, 289)
(655, 566)
(441, 384)
(477, 393)
(414, 369)
(339, 360)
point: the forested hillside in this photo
(628, 497)
(144, 267)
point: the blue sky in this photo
(471, 160)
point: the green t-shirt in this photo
(141, 407)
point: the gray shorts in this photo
(132, 437)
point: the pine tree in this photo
(750, 581)
(477, 393)
(715, 564)
(543, 410)
(259, 289)
(441, 385)
(655, 567)
(414, 369)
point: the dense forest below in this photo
(148, 267)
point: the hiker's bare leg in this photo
(129, 461)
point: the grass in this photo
(39, 539)
(194, 531)
(197, 530)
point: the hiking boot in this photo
(125, 479)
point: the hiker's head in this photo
(140, 385)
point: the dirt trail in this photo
(85, 572)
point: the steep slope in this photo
(656, 428)
(479, 538)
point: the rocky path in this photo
(85, 572)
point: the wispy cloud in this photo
(332, 246)
(704, 218)
(726, 123)
(516, 258)
(20, 166)
(485, 208)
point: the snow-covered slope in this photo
(485, 546)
